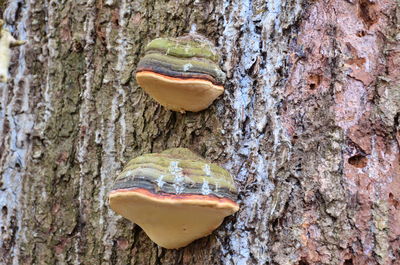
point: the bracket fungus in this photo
(182, 74)
(7, 41)
(175, 196)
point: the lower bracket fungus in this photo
(182, 74)
(7, 41)
(175, 196)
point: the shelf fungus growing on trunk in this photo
(7, 41)
(182, 74)
(175, 196)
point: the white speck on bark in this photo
(109, 2)
(193, 28)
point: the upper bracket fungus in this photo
(7, 41)
(175, 196)
(182, 74)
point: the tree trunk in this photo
(308, 126)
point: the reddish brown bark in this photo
(346, 74)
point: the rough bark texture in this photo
(308, 125)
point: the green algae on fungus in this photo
(175, 196)
(182, 74)
(186, 46)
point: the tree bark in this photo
(308, 126)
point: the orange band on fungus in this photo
(180, 79)
(180, 197)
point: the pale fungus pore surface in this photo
(7, 41)
(182, 74)
(175, 196)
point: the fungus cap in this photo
(175, 196)
(182, 74)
